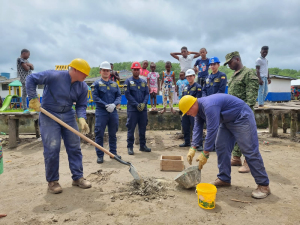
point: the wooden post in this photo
(270, 122)
(284, 124)
(293, 123)
(275, 126)
(12, 129)
(136, 135)
(37, 128)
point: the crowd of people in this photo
(229, 118)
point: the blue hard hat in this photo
(214, 60)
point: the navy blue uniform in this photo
(104, 93)
(136, 92)
(188, 121)
(215, 83)
(229, 120)
(58, 97)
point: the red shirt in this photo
(144, 72)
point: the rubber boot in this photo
(245, 168)
(261, 192)
(82, 183)
(54, 187)
(236, 161)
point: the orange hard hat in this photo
(136, 65)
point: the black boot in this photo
(117, 156)
(185, 145)
(130, 151)
(145, 149)
(200, 148)
(100, 160)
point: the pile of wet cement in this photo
(148, 187)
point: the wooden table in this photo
(279, 110)
(13, 125)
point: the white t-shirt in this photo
(152, 76)
(263, 63)
(186, 63)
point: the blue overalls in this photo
(104, 93)
(229, 120)
(188, 121)
(136, 91)
(215, 83)
(58, 97)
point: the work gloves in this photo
(141, 106)
(84, 127)
(202, 159)
(191, 155)
(110, 107)
(35, 104)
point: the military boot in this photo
(245, 168)
(130, 151)
(54, 187)
(236, 161)
(145, 149)
(82, 183)
(261, 192)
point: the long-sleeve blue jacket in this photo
(215, 109)
(215, 83)
(136, 91)
(59, 93)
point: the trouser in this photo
(187, 123)
(52, 132)
(111, 120)
(263, 91)
(24, 96)
(201, 81)
(243, 131)
(167, 92)
(134, 118)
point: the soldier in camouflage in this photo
(244, 85)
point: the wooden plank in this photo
(270, 122)
(12, 126)
(37, 128)
(293, 124)
(284, 124)
(171, 163)
(275, 126)
(171, 157)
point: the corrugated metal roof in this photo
(7, 81)
(282, 77)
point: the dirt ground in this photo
(113, 199)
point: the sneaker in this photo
(82, 183)
(220, 183)
(54, 187)
(145, 149)
(261, 192)
(26, 111)
(236, 161)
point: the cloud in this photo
(116, 31)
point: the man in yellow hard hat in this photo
(62, 88)
(228, 120)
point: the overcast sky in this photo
(58, 31)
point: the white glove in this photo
(110, 107)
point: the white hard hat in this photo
(189, 72)
(105, 65)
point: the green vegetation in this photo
(160, 67)
(15, 110)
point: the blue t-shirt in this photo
(203, 66)
(181, 85)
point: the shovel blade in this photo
(135, 174)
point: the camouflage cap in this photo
(230, 55)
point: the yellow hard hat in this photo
(186, 102)
(81, 65)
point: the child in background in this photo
(202, 66)
(166, 86)
(181, 83)
(185, 58)
(153, 85)
(143, 71)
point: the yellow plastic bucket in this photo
(206, 195)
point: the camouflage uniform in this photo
(244, 85)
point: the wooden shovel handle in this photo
(76, 132)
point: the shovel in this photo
(132, 170)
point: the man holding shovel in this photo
(228, 120)
(62, 88)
